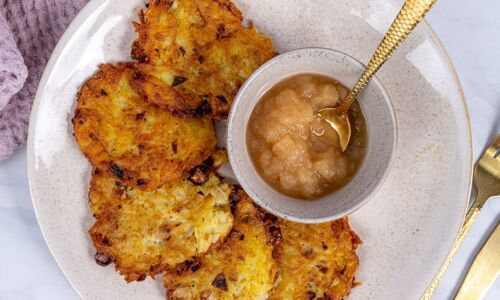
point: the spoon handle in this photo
(409, 16)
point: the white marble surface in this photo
(468, 29)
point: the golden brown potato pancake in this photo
(316, 261)
(172, 32)
(140, 144)
(242, 268)
(145, 233)
(201, 50)
(103, 198)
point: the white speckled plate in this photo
(407, 228)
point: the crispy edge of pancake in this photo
(218, 271)
(173, 237)
(316, 261)
(171, 31)
(153, 145)
(103, 200)
(178, 92)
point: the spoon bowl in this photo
(339, 121)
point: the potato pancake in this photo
(172, 32)
(145, 233)
(316, 261)
(104, 199)
(201, 50)
(140, 144)
(242, 268)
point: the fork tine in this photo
(496, 146)
(490, 161)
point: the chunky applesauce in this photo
(296, 152)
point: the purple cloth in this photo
(29, 31)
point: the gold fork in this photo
(487, 182)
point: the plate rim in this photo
(429, 291)
(92, 5)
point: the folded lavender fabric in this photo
(13, 71)
(29, 31)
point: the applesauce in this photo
(295, 151)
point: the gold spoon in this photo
(408, 17)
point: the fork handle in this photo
(412, 12)
(464, 230)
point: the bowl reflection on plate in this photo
(381, 125)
